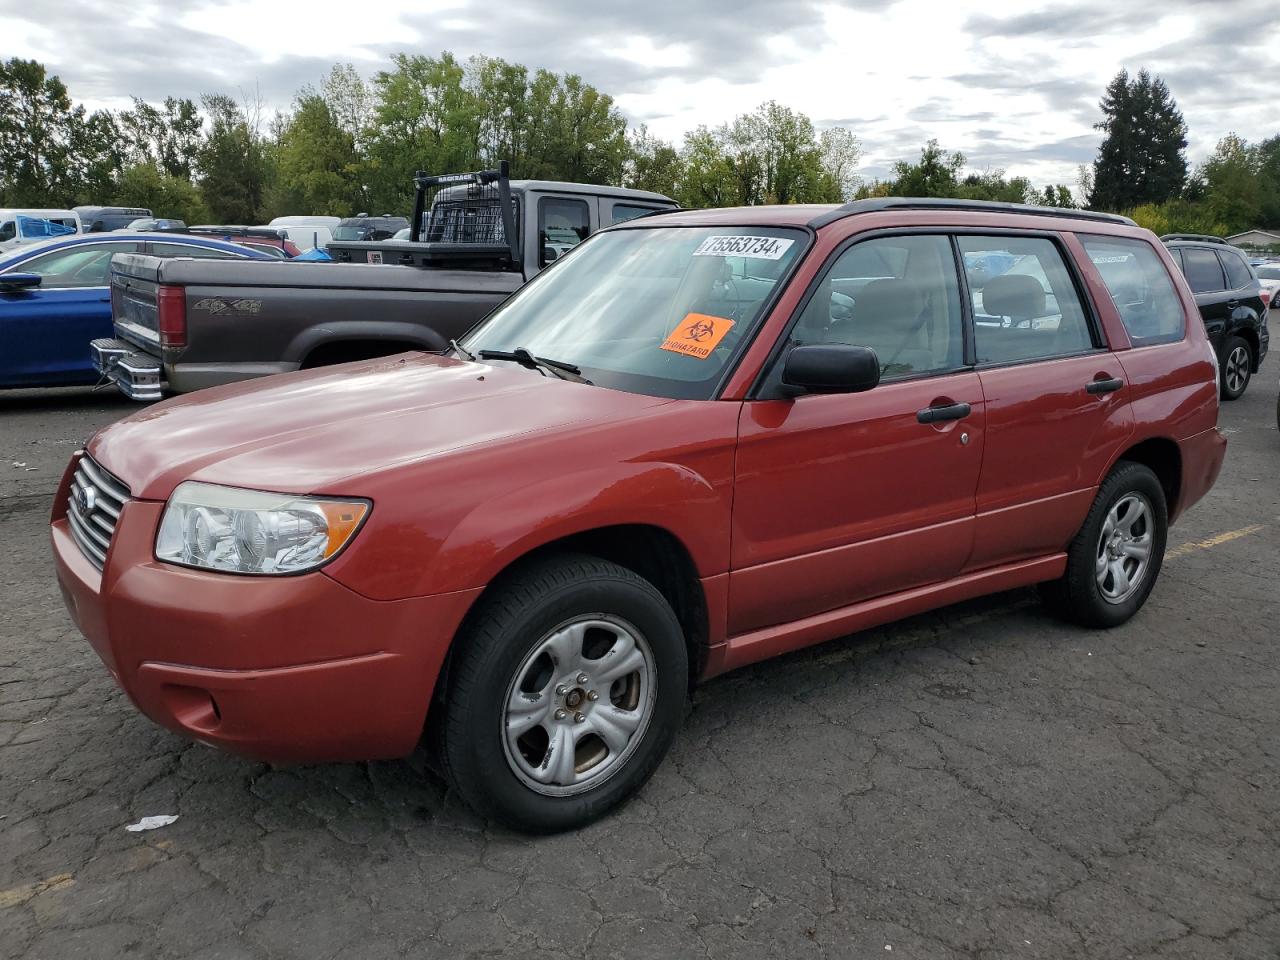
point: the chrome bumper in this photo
(138, 376)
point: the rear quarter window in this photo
(1140, 287)
(1238, 273)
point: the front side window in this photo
(190, 250)
(562, 225)
(1203, 271)
(659, 311)
(1238, 273)
(900, 296)
(85, 265)
(1140, 287)
(8, 230)
(1025, 305)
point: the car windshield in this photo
(659, 311)
(1268, 273)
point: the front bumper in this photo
(283, 669)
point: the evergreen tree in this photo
(1141, 159)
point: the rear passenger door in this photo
(1056, 402)
(1205, 276)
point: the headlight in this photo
(251, 531)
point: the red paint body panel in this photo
(302, 668)
(845, 497)
(803, 519)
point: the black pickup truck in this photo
(185, 324)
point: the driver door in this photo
(46, 329)
(842, 498)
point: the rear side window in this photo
(1203, 271)
(84, 265)
(562, 225)
(1025, 305)
(1238, 272)
(1140, 287)
(626, 211)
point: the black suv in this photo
(1231, 305)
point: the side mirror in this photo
(11, 282)
(830, 368)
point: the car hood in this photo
(311, 431)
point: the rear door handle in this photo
(951, 411)
(1105, 386)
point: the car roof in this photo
(595, 190)
(80, 239)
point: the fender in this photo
(493, 534)
(312, 337)
(665, 495)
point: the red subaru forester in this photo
(702, 439)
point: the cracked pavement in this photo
(980, 782)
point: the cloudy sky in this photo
(1011, 85)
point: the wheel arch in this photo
(1161, 456)
(651, 551)
(351, 334)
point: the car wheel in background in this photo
(566, 690)
(1113, 562)
(1237, 367)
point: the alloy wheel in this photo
(1124, 548)
(1237, 369)
(578, 705)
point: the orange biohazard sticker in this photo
(697, 335)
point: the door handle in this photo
(950, 411)
(1105, 386)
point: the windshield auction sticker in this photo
(753, 248)
(698, 333)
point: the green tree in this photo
(839, 153)
(316, 166)
(1056, 195)
(653, 164)
(709, 178)
(1234, 187)
(1142, 156)
(36, 123)
(935, 174)
(167, 137)
(146, 185)
(232, 162)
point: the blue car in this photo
(55, 297)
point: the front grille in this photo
(94, 508)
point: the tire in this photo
(515, 694)
(1237, 367)
(1091, 593)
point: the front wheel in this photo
(1113, 562)
(1237, 367)
(566, 690)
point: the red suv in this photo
(700, 440)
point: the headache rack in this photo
(470, 211)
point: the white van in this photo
(19, 226)
(307, 232)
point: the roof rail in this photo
(876, 204)
(1201, 237)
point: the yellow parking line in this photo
(1184, 549)
(16, 895)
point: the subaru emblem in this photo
(87, 498)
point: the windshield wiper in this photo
(522, 356)
(461, 351)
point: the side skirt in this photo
(771, 641)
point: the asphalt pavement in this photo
(980, 782)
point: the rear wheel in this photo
(567, 689)
(1114, 560)
(1237, 367)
